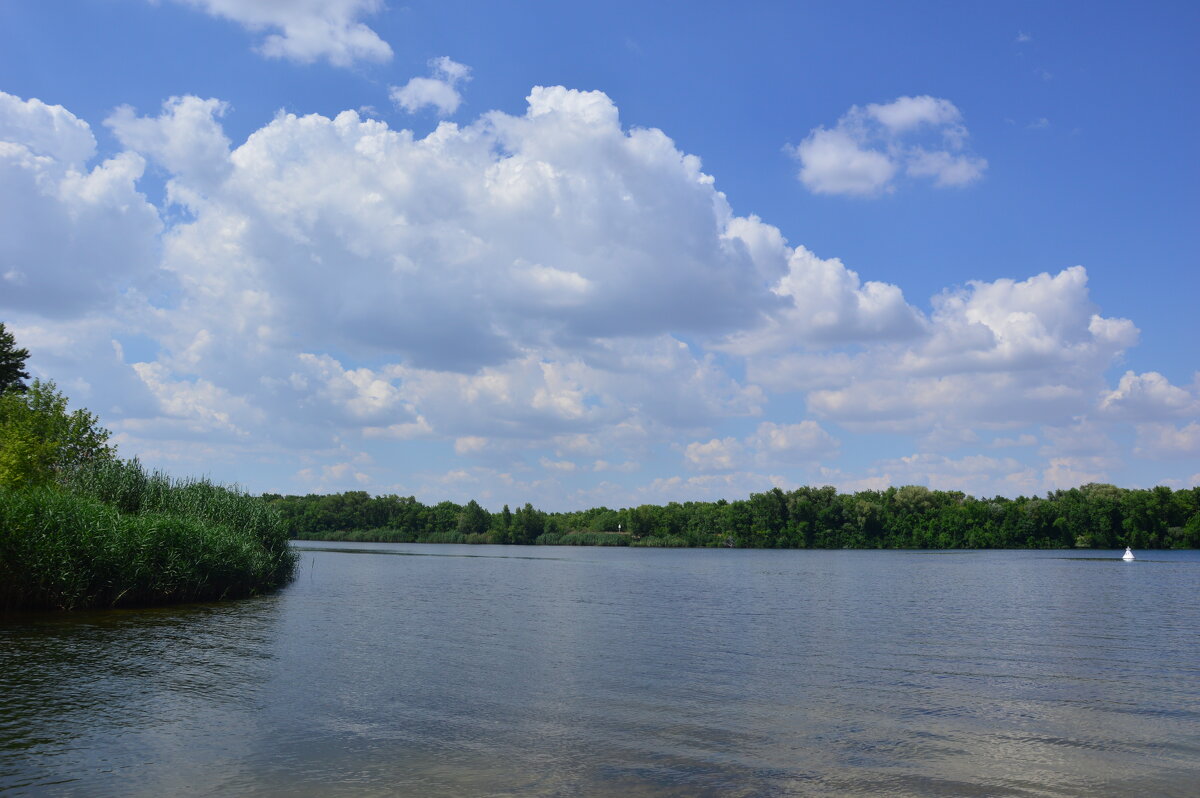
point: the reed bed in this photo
(383, 536)
(582, 539)
(111, 534)
(395, 536)
(662, 542)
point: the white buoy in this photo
(1128, 555)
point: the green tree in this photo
(12, 362)
(473, 519)
(528, 524)
(503, 531)
(39, 438)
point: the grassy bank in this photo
(111, 534)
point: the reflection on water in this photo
(564, 671)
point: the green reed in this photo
(661, 542)
(582, 539)
(395, 536)
(111, 534)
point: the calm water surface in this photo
(494, 671)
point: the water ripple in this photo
(452, 671)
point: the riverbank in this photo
(112, 535)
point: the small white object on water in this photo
(1128, 555)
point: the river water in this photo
(494, 671)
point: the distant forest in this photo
(1094, 516)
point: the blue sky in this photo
(316, 246)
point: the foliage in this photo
(40, 438)
(12, 362)
(79, 528)
(473, 519)
(110, 535)
(910, 516)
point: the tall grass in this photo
(111, 534)
(393, 536)
(664, 542)
(582, 539)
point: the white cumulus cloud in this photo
(1158, 441)
(868, 147)
(1148, 397)
(72, 237)
(772, 444)
(828, 304)
(439, 90)
(186, 140)
(518, 231)
(1002, 352)
(306, 30)
(46, 130)
(545, 297)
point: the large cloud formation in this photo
(70, 235)
(991, 353)
(460, 250)
(541, 300)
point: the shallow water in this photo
(480, 670)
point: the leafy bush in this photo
(39, 438)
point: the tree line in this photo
(45, 445)
(1098, 516)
